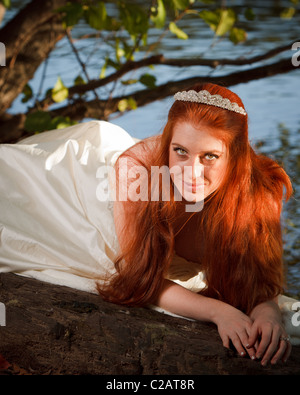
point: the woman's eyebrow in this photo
(215, 151)
(180, 145)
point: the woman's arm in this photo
(233, 325)
(268, 330)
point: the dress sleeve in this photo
(188, 274)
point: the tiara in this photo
(206, 98)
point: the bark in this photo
(58, 330)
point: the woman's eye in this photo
(180, 151)
(210, 157)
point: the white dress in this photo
(53, 225)
(56, 213)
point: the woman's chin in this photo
(192, 198)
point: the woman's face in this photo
(197, 161)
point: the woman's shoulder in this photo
(149, 143)
(143, 150)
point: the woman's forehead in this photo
(199, 138)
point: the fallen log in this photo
(58, 330)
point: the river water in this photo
(273, 104)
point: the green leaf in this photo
(61, 122)
(123, 105)
(79, 80)
(113, 64)
(6, 3)
(96, 16)
(249, 14)
(128, 51)
(182, 4)
(237, 35)
(127, 104)
(27, 92)
(38, 121)
(210, 17)
(178, 32)
(103, 69)
(60, 92)
(220, 21)
(132, 104)
(288, 13)
(120, 52)
(226, 22)
(108, 62)
(134, 19)
(159, 17)
(148, 80)
(129, 82)
(72, 13)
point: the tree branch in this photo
(101, 109)
(95, 109)
(62, 331)
(161, 60)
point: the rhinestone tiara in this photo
(206, 98)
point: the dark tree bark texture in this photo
(58, 330)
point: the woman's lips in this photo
(193, 186)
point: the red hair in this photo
(239, 224)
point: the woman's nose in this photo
(197, 169)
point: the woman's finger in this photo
(237, 343)
(252, 343)
(253, 336)
(275, 346)
(240, 340)
(287, 351)
(264, 344)
(284, 350)
(225, 341)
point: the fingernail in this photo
(252, 357)
(247, 345)
(264, 363)
(242, 353)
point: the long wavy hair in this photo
(239, 225)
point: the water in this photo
(272, 103)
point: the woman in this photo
(203, 241)
(235, 238)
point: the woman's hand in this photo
(235, 326)
(269, 333)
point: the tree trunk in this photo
(58, 330)
(29, 38)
